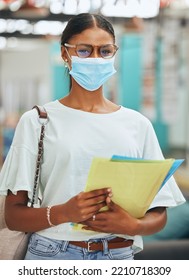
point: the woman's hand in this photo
(84, 205)
(118, 221)
(115, 220)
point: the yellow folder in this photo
(134, 183)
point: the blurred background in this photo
(152, 65)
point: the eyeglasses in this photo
(84, 50)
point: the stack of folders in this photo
(134, 181)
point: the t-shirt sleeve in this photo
(169, 195)
(18, 170)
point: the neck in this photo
(93, 102)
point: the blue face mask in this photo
(92, 73)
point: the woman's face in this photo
(94, 36)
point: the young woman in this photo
(81, 126)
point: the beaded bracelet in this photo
(48, 216)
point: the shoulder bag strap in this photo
(42, 116)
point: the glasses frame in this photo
(76, 45)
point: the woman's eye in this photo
(83, 52)
(106, 53)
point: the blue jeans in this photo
(43, 248)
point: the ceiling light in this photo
(84, 6)
(149, 9)
(56, 7)
(3, 25)
(96, 4)
(70, 7)
(44, 27)
(132, 8)
(11, 27)
(15, 5)
(3, 42)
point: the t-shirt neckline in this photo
(79, 112)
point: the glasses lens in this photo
(108, 51)
(83, 51)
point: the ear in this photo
(64, 54)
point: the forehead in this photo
(93, 36)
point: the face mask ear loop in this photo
(68, 53)
(69, 58)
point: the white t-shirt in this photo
(72, 139)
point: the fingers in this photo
(96, 208)
(100, 192)
(94, 197)
(109, 201)
(84, 205)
